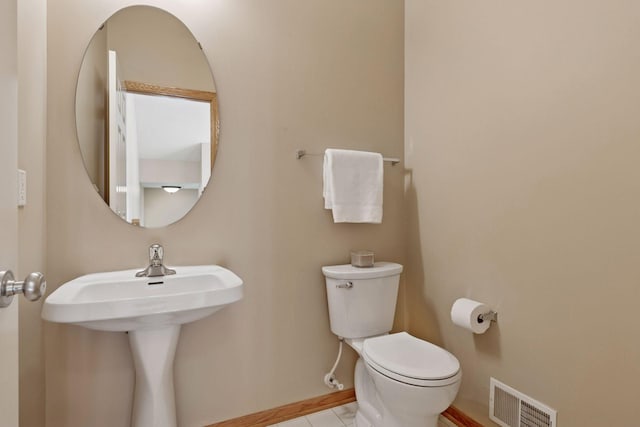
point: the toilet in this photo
(400, 380)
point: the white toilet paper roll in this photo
(465, 312)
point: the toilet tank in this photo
(362, 301)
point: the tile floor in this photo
(340, 416)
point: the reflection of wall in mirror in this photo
(91, 104)
(162, 208)
(157, 172)
(145, 37)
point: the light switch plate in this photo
(22, 187)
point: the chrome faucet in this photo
(156, 267)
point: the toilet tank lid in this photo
(349, 272)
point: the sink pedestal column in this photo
(153, 353)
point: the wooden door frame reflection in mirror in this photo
(191, 94)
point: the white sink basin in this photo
(119, 301)
(151, 309)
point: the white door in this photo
(8, 209)
(117, 139)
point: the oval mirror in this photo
(147, 116)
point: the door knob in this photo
(32, 287)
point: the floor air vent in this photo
(510, 408)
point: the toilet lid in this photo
(402, 355)
(349, 272)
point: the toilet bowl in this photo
(415, 380)
(400, 380)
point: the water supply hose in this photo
(330, 379)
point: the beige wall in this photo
(522, 138)
(32, 45)
(289, 75)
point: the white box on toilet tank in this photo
(362, 301)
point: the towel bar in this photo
(301, 153)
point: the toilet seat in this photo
(410, 360)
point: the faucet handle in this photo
(156, 252)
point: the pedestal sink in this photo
(151, 309)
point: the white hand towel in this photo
(353, 183)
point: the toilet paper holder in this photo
(491, 316)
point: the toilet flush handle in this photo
(347, 285)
